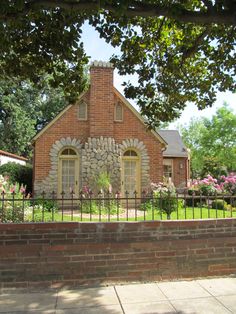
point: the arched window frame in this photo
(61, 158)
(131, 150)
(137, 159)
(82, 117)
(69, 149)
(65, 156)
(118, 106)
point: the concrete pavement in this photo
(205, 296)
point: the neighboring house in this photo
(101, 132)
(176, 162)
(6, 157)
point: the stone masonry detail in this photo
(97, 155)
(101, 155)
(50, 183)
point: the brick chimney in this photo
(101, 108)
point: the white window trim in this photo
(169, 162)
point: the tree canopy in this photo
(212, 143)
(24, 109)
(181, 50)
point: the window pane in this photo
(167, 171)
(167, 162)
(129, 176)
(71, 152)
(130, 153)
(68, 176)
(68, 151)
(82, 111)
(118, 112)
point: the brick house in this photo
(101, 132)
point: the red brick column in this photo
(101, 107)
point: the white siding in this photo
(6, 159)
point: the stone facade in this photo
(95, 156)
(101, 155)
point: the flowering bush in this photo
(228, 184)
(212, 186)
(206, 186)
(165, 197)
(12, 206)
(7, 189)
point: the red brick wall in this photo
(101, 101)
(180, 172)
(82, 253)
(132, 127)
(67, 125)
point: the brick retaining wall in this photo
(91, 253)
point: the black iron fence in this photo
(114, 207)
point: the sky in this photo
(98, 49)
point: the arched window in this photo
(82, 111)
(130, 153)
(119, 112)
(68, 152)
(130, 173)
(68, 176)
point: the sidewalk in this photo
(204, 296)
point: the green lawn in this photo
(181, 214)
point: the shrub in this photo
(228, 184)
(219, 204)
(206, 186)
(18, 173)
(192, 201)
(103, 181)
(48, 205)
(97, 207)
(165, 197)
(13, 208)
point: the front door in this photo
(130, 175)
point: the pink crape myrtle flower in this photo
(13, 189)
(22, 189)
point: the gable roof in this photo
(176, 147)
(7, 154)
(122, 98)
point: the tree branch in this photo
(208, 4)
(189, 52)
(134, 9)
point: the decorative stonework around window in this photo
(96, 155)
(51, 182)
(141, 148)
